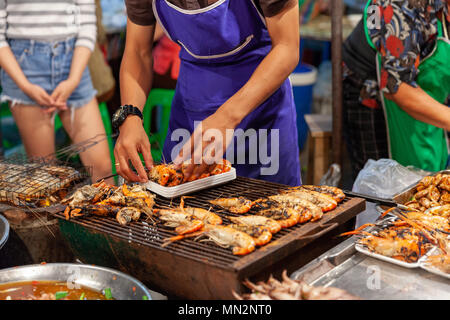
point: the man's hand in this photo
(132, 141)
(207, 144)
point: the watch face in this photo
(117, 118)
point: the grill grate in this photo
(147, 234)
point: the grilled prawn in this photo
(336, 193)
(325, 202)
(235, 205)
(261, 235)
(183, 222)
(224, 236)
(205, 215)
(258, 221)
(128, 214)
(307, 209)
(285, 216)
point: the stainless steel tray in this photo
(368, 278)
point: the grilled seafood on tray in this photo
(406, 239)
(168, 175)
(431, 191)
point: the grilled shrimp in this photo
(138, 191)
(443, 211)
(445, 183)
(325, 202)
(128, 214)
(176, 178)
(224, 236)
(221, 167)
(307, 209)
(235, 205)
(83, 195)
(286, 217)
(261, 235)
(182, 221)
(407, 249)
(258, 221)
(428, 220)
(336, 193)
(161, 174)
(206, 216)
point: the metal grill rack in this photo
(204, 265)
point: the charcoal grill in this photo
(198, 270)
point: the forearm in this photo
(136, 73)
(9, 63)
(421, 106)
(266, 79)
(80, 60)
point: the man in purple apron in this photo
(234, 65)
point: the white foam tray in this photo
(190, 187)
(431, 269)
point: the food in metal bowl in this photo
(69, 281)
(50, 290)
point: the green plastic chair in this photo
(161, 98)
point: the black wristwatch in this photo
(122, 113)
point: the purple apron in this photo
(221, 46)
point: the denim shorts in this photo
(45, 64)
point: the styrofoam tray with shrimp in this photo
(362, 249)
(190, 187)
(423, 264)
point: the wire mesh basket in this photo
(37, 182)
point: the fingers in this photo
(188, 169)
(188, 148)
(185, 153)
(122, 165)
(137, 164)
(56, 94)
(59, 97)
(199, 170)
(125, 169)
(48, 110)
(146, 153)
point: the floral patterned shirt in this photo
(406, 35)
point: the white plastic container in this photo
(190, 187)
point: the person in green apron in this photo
(397, 82)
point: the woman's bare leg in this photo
(37, 130)
(87, 123)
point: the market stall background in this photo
(46, 237)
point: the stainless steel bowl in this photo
(4, 230)
(123, 287)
